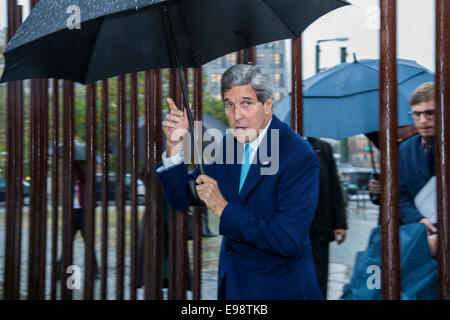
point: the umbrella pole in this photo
(374, 197)
(173, 48)
(374, 169)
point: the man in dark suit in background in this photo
(416, 155)
(330, 220)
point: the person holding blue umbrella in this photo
(418, 238)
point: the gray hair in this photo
(244, 74)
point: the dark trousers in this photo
(320, 254)
(79, 225)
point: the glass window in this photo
(214, 77)
(260, 58)
(275, 58)
(230, 59)
(276, 77)
(219, 62)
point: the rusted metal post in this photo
(297, 87)
(389, 208)
(68, 220)
(442, 143)
(43, 169)
(90, 198)
(120, 186)
(105, 186)
(177, 222)
(14, 171)
(38, 189)
(38, 196)
(134, 200)
(172, 213)
(55, 185)
(247, 56)
(198, 211)
(180, 223)
(153, 219)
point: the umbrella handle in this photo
(173, 48)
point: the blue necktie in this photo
(245, 166)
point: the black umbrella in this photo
(208, 122)
(123, 36)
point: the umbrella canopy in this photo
(343, 101)
(123, 36)
(208, 122)
(79, 150)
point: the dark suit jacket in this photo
(330, 213)
(266, 251)
(415, 171)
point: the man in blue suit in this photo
(263, 185)
(416, 155)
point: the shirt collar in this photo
(255, 143)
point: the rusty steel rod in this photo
(153, 218)
(180, 222)
(120, 185)
(14, 171)
(19, 127)
(389, 207)
(105, 187)
(90, 198)
(38, 197)
(68, 156)
(197, 217)
(297, 87)
(134, 199)
(43, 169)
(55, 185)
(172, 213)
(442, 142)
(247, 56)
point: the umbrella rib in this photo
(93, 49)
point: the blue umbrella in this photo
(343, 101)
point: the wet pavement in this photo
(360, 222)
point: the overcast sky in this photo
(358, 22)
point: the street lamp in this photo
(343, 53)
